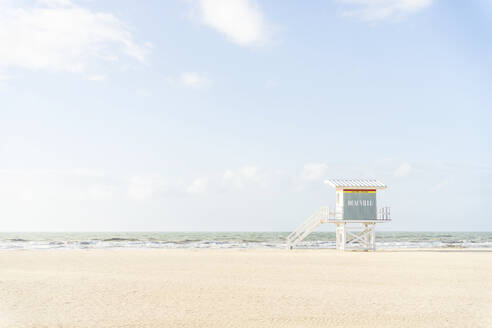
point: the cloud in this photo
(143, 93)
(240, 21)
(439, 186)
(98, 77)
(101, 191)
(193, 80)
(156, 186)
(56, 185)
(58, 35)
(4, 77)
(376, 10)
(245, 176)
(198, 186)
(146, 187)
(190, 80)
(314, 171)
(403, 170)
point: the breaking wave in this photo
(198, 240)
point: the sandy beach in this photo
(245, 288)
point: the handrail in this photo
(384, 213)
(323, 215)
(307, 226)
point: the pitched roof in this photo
(356, 183)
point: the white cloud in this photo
(198, 186)
(193, 80)
(439, 186)
(403, 170)
(244, 176)
(375, 10)
(241, 21)
(143, 93)
(156, 186)
(146, 187)
(190, 80)
(62, 36)
(4, 77)
(101, 191)
(98, 77)
(56, 185)
(314, 171)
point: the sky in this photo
(228, 115)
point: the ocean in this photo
(240, 240)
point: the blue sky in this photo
(228, 115)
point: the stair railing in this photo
(308, 226)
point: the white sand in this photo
(244, 288)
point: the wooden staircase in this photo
(318, 217)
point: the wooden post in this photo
(367, 236)
(341, 236)
(373, 237)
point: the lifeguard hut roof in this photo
(355, 183)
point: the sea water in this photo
(197, 240)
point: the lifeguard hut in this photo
(355, 215)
